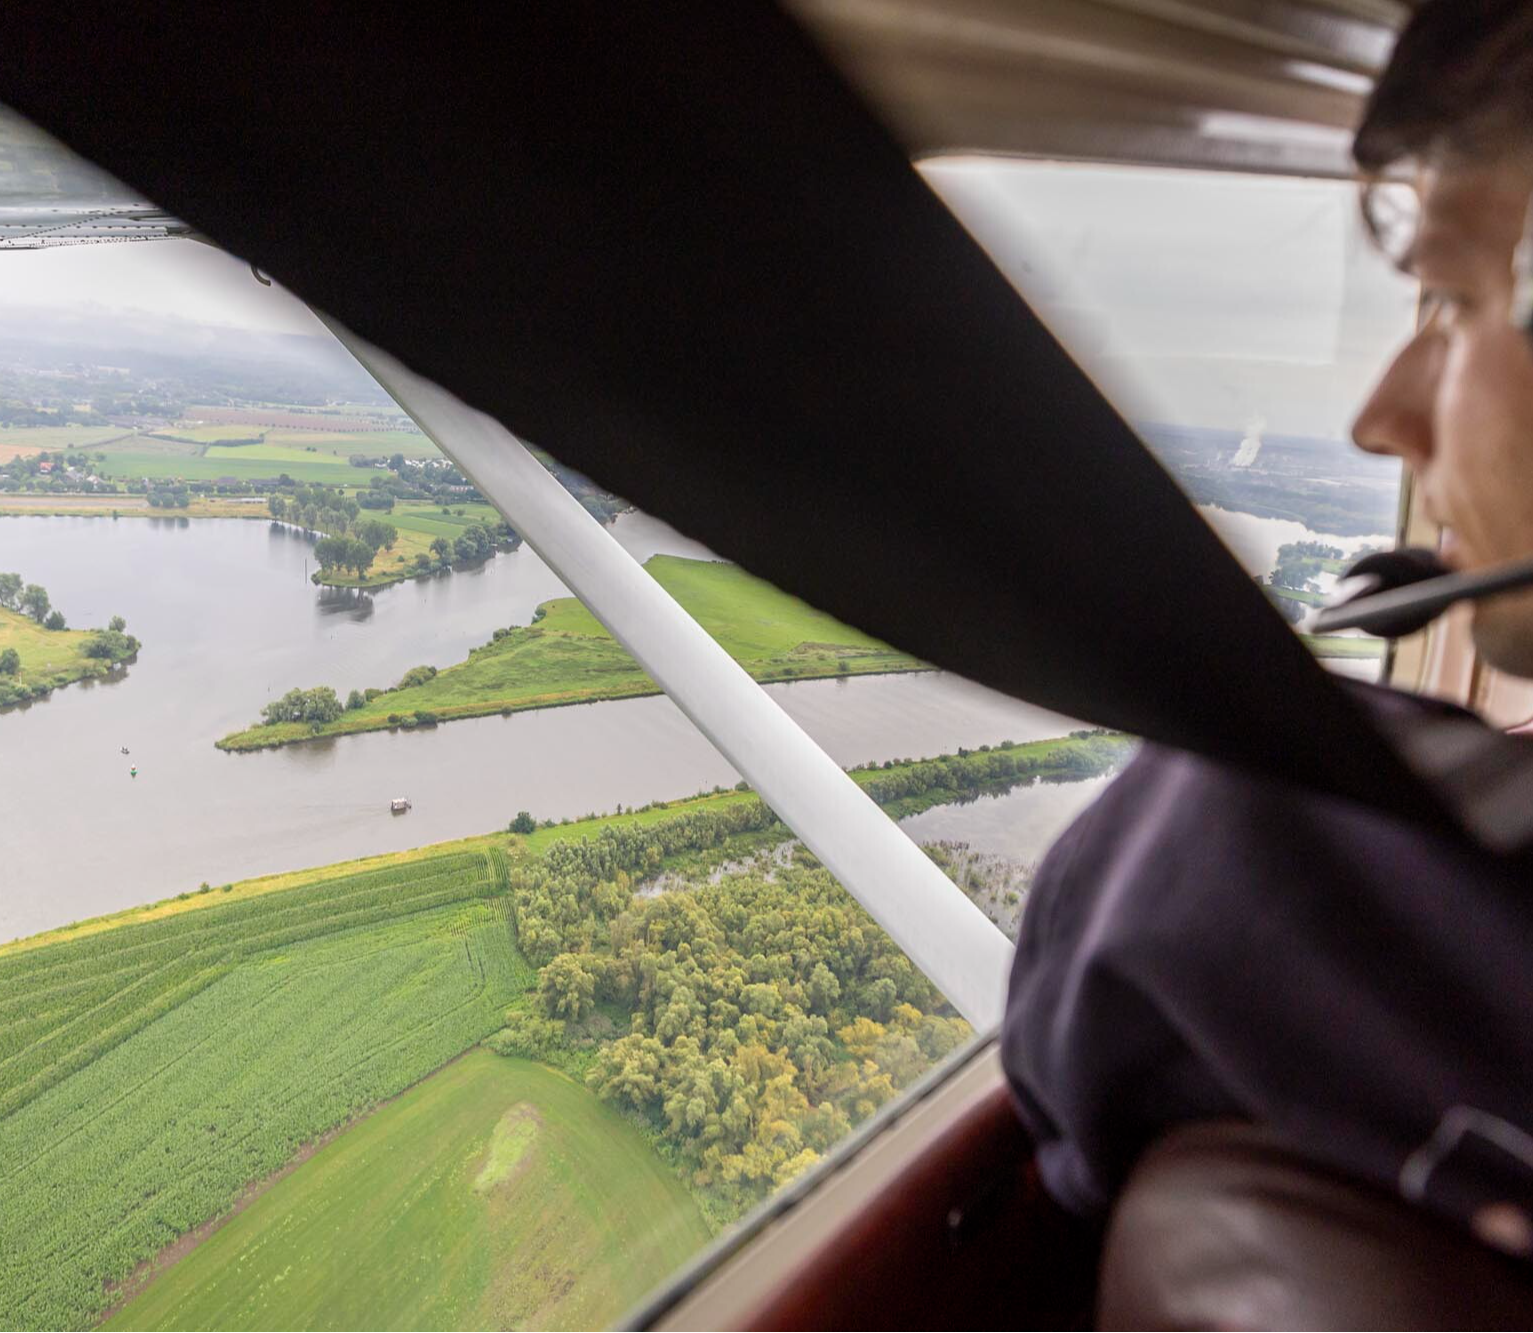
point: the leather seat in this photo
(1221, 1226)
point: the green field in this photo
(428, 519)
(496, 1194)
(567, 657)
(374, 443)
(165, 465)
(281, 454)
(219, 1042)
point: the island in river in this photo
(47, 659)
(565, 656)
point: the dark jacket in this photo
(1202, 943)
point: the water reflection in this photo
(355, 602)
(1020, 824)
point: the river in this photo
(229, 621)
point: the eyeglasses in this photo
(1522, 277)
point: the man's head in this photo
(1455, 109)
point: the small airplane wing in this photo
(51, 197)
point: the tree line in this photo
(31, 599)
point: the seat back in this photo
(1221, 1226)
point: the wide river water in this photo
(229, 621)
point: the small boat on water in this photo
(399, 805)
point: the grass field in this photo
(374, 443)
(164, 465)
(221, 1041)
(568, 657)
(422, 517)
(284, 453)
(496, 1194)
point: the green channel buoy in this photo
(133, 772)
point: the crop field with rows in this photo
(224, 1040)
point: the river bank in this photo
(903, 789)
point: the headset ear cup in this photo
(1385, 571)
(1399, 568)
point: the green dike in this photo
(496, 1194)
(566, 657)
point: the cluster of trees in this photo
(358, 548)
(1299, 562)
(169, 495)
(111, 644)
(349, 541)
(314, 508)
(475, 543)
(316, 707)
(972, 772)
(749, 1023)
(31, 599)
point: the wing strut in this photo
(940, 930)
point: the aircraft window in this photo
(1238, 322)
(380, 993)
(342, 983)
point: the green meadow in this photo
(189, 464)
(496, 1194)
(566, 657)
(150, 1072)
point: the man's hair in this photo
(1459, 86)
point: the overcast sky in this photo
(184, 279)
(1194, 298)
